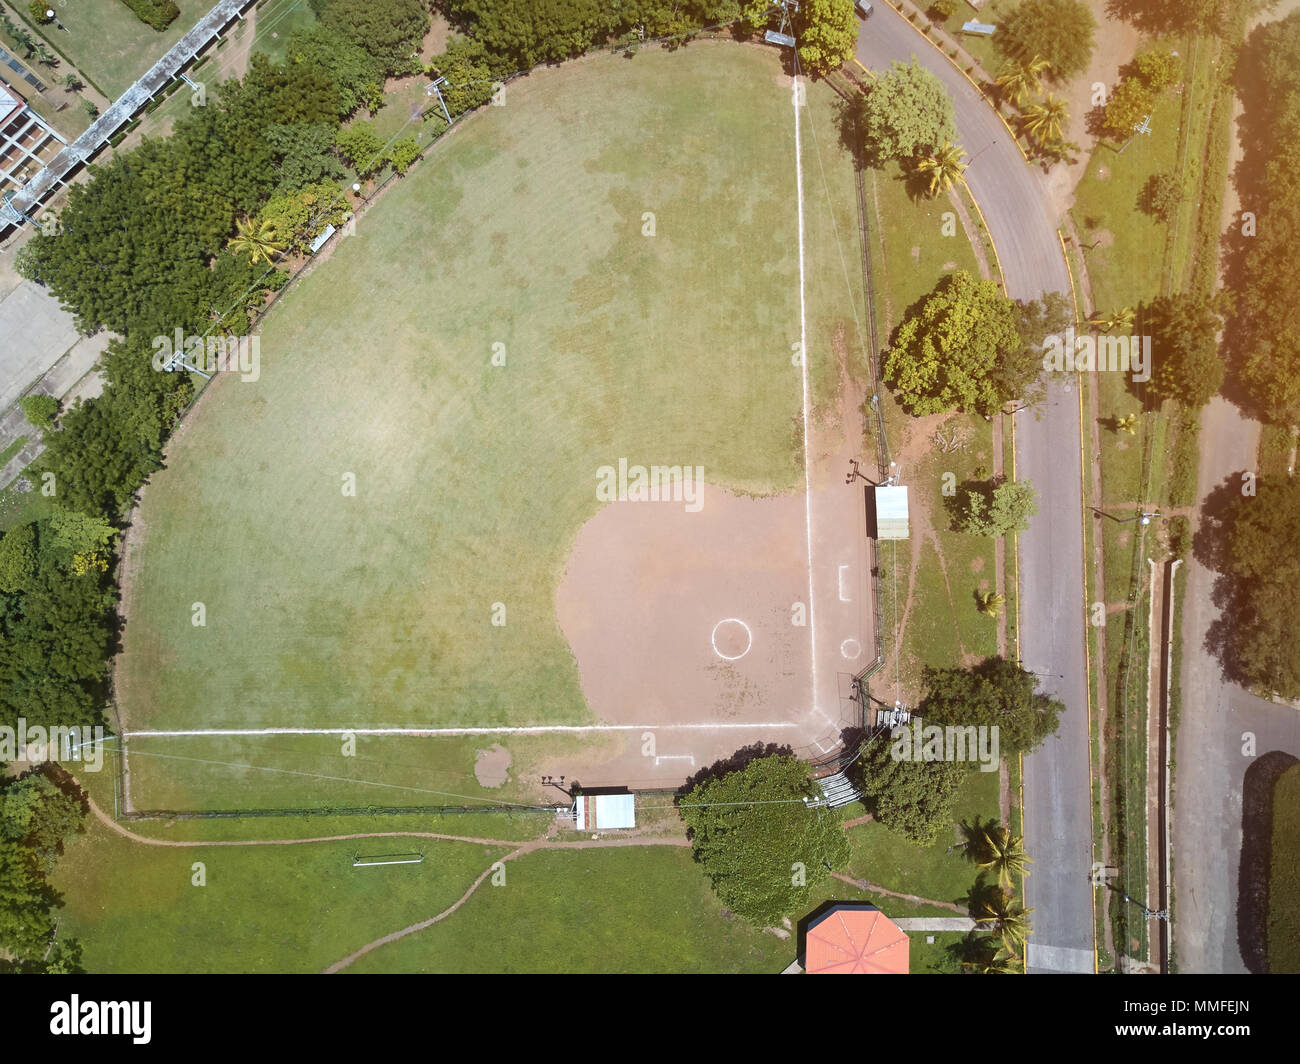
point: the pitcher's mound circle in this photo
(851, 649)
(732, 639)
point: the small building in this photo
(604, 812)
(854, 938)
(891, 512)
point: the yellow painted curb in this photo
(997, 259)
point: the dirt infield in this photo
(689, 620)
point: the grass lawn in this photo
(1284, 876)
(263, 908)
(311, 772)
(642, 909)
(522, 228)
(8, 452)
(885, 858)
(107, 43)
(22, 507)
(276, 22)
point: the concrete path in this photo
(936, 923)
(34, 334)
(1057, 782)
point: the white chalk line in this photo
(541, 729)
(795, 94)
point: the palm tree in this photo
(1018, 80)
(1005, 854)
(259, 239)
(1044, 120)
(45, 56)
(1121, 320)
(1127, 423)
(1010, 923)
(71, 82)
(999, 962)
(944, 168)
(991, 603)
(25, 41)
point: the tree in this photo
(524, 33)
(17, 558)
(89, 107)
(762, 848)
(994, 692)
(943, 169)
(827, 32)
(991, 604)
(906, 113)
(1044, 121)
(402, 153)
(1060, 31)
(1161, 195)
(1128, 105)
(1258, 630)
(1018, 79)
(913, 798)
(71, 82)
(298, 217)
(1007, 508)
(1158, 69)
(40, 410)
(305, 155)
(389, 30)
(1121, 320)
(257, 239)
(1127, 424)
(1009, 922)
(959, 348)
(361, 147)
(1003, 854)
(36, 817)
(1185, 351)
(357, 76)
(466, 66)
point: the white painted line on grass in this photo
(540, 729)
(843, 597)
(796, 93)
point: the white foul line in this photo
(843, 596)
(540, 729)
(795, 93)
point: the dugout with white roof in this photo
(604, 812)
(891, 512)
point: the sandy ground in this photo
(1116, 44)
(656, 599)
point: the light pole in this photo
(432, 90)
(1143, 127)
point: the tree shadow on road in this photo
(1255, 866)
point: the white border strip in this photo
(540, 729)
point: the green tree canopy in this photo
(960, 349)
(1258, 627)
(827, 32)
(1060, 31)
(913, 798)
(761, 847)
(906, 113)
(1184, 351)
(389, 30)
(997, 511)
(995, 692)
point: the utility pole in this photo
(432, 89)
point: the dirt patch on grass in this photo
(492, 766)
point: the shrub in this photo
(38, 9)
(1180, 537)
(40, 410)
(1157, 70)
(156, 13)
(1160, 196)
(942, 10)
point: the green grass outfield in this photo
(523, 228)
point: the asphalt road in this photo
(1058, 827)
